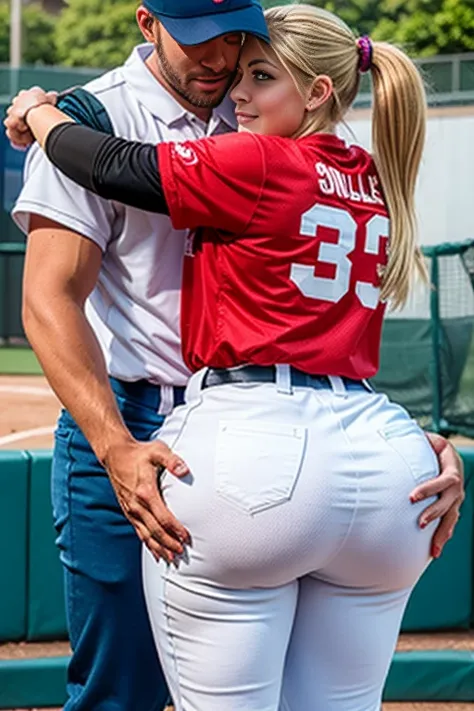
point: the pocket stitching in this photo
(399, 429)
(418, 478)
(222, 469)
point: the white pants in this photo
(305, 547)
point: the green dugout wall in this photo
(14, 476)
(31, 589)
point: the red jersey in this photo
(289, 244)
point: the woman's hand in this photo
(18, 132)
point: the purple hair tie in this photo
(365, 46)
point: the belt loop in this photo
(283, 379)
(166, 399)
(194, 386)
(337, 385)
(368, 385)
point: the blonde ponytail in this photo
(310, 41)
(398, 135)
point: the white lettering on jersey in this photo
(186, 153)
(347, 186)
(326, 185)
(374, 189)
(337, 254)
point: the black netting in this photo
(467, 259)
(427, 357)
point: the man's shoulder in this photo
(107, 85)
(120, 93)
(113, 93)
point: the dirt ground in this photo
(29, 409)
(428, 707)
(28, 412)
(460, 641)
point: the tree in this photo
(38, 34)
(428, 27)
(97, 33)
(422, 27)
(360, 15)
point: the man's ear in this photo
(145, 23)
(321, 90)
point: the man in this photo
(133, 260)
(130, 264)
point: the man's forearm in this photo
(74, 365)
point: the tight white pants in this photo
(305, 547)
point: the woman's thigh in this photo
(221, 649)
(341, 647)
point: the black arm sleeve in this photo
(114, 168)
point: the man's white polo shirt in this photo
(134, 308)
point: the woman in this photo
(304, 547)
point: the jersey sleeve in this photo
(213, 182)
(48, 193)
(85, 108)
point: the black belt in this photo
(145, 393)
(267, 374)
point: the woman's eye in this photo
(261, 76)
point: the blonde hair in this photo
(310, 41)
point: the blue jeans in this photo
(114, 666)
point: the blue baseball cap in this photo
(192, 22)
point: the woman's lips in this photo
(243, 118)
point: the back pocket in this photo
(408, 440)
(257, 465)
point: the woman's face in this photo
(266, 97)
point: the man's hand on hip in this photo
(448, 487)
(134, 469)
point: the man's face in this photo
(200, 74)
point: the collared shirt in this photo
(135, 307)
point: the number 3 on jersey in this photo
(337, 254)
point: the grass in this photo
(18, 361)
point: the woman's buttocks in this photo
(272, 490)
(284, 485)
(386, 548)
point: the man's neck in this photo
(153, 66)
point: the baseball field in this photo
(29, 407)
